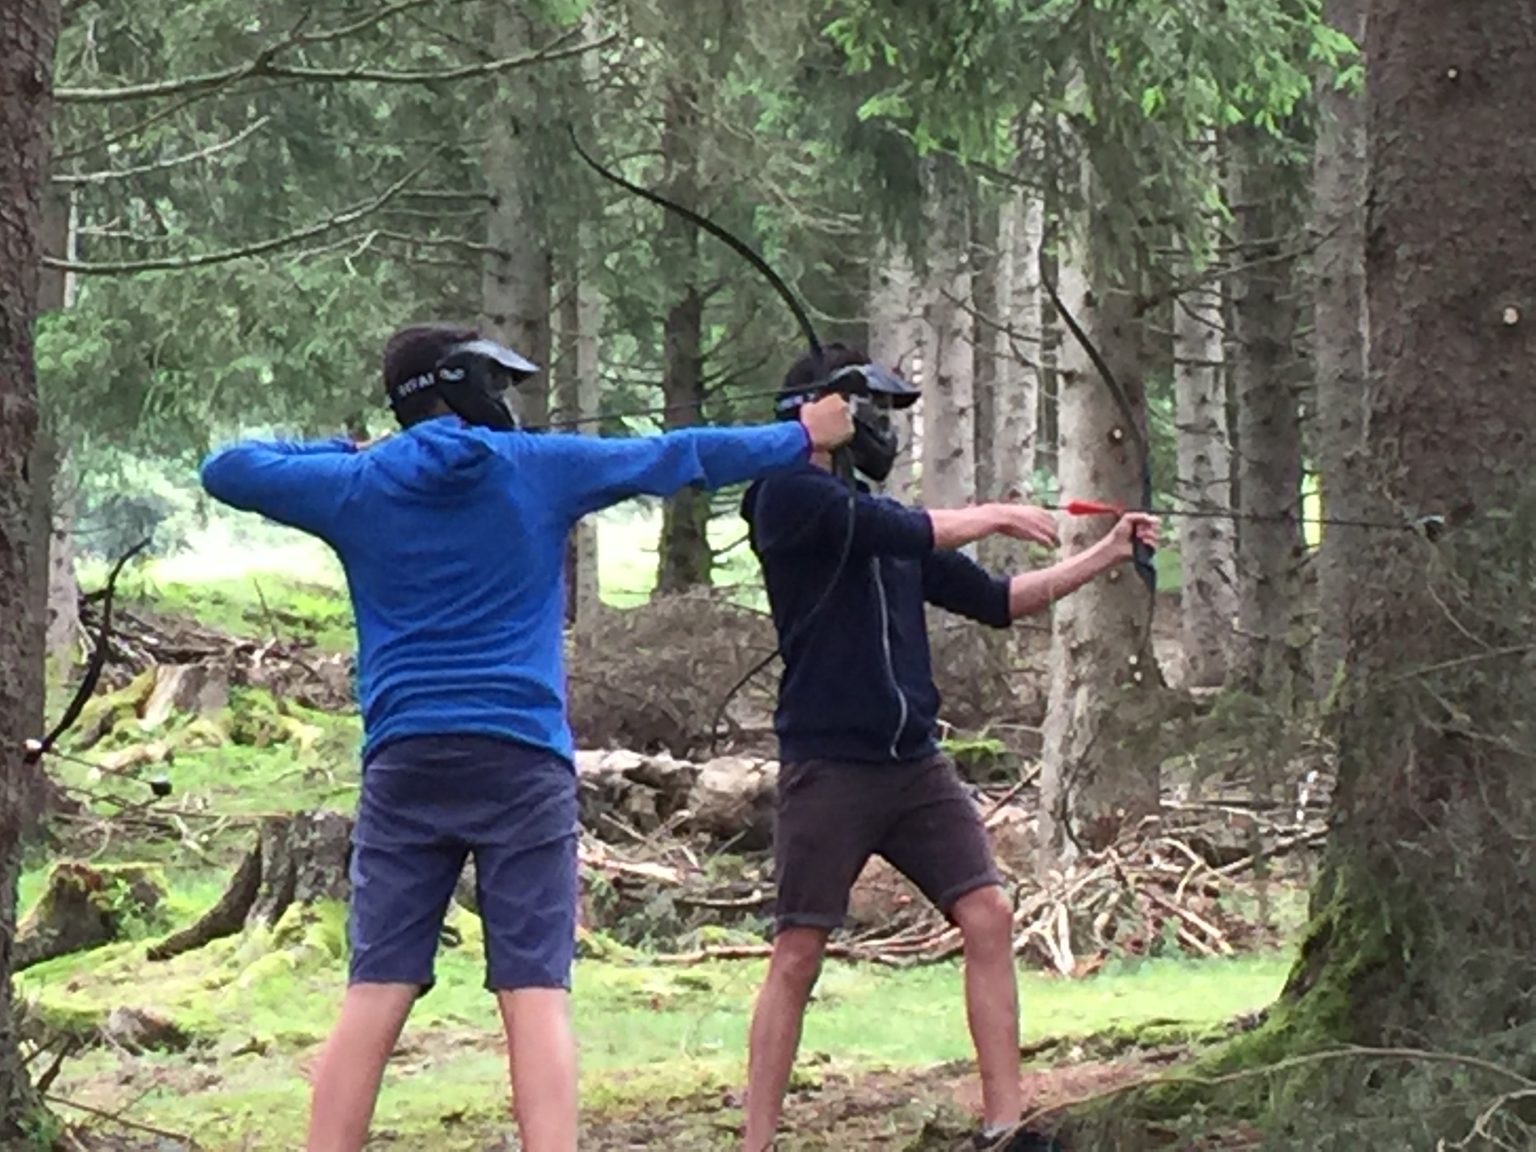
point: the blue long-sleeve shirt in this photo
(453, 541)
(858, 680)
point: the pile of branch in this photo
(290, 667)
(1166, 886)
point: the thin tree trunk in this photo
(55, 522)
(27, 38)
(576, 398)
(685, 558)
(1264, 315)
(1099, 774)
(986, 311)
(1017, 355)
(895, 340)
(1340, 336)
(587, 391)
(949, 442)
(1420, 929)
(1207, 545)
(516, 281)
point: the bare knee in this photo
(796, 962)
(985, 919)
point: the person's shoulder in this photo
(799, 487)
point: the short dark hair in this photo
(805, 371)
(413, 351)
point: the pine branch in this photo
(265, 67)
(246, 251)
(462, 243)
(104, 176)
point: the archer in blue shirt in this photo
(452, 534)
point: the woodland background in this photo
(1297, 232)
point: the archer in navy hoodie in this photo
(849, 574)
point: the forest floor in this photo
(885, 1063)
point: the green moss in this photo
(982, 759)
(1340, 947)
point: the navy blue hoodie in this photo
(858, 680)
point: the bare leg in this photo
(351, 1066)
(541, 1056)
(775, 1035)
(992, 1001)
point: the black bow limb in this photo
(35, 750)
(1141, 551)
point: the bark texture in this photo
(895, 340)
(53, 507)
(949, 440)
(1266, 382)
(1207, 545)
(516, 281)
(27, 38)
(576, 399)
(685, 557)
(1418, 930)
(297, 861)
(1340, 340)
(1016, 354)
(1098, 773)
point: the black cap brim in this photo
(888, 386)
(520, 366)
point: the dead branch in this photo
(181, 1138)
(212, 150)
(246, 251)
(264, 66)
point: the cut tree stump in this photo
(85, 907)
(300, 859)
(185, 690)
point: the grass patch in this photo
(257, 1005)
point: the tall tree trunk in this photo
(1420, 928)
(1340, 335)
(578, 321)
(986, 311)
(895, 340)
(587, 393)
(949, 442)
(27, 38)
(685, 558)
(1264, 316)
(1099, 775)
(516, 281)
(1016, 349)
(1207, 545)
(54, 524)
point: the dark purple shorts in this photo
(428, 804)
(833, 816)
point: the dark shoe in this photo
(1018, 1140)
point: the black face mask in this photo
(473, 379)
(872, 391)
(874, 445)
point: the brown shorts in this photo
(832, 816)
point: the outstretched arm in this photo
(303, 485)
(1033, 592)
(812, 510)
(587, 473)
